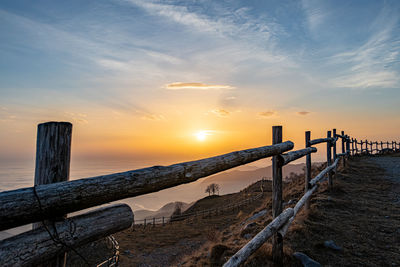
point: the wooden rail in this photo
(19, 207)
(53, 196)
(282, 221)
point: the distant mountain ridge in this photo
(244, 178)
(164, 211)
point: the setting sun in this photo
(202, 135)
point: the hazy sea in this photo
(20, 173)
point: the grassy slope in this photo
(359, 215)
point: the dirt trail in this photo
(361, 215)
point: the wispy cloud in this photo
(373, 63)
(220, 112)
(267, 114)
(153, 117)
(75, 117)
(303, 113)
(195, 86)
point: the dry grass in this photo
(358, 214)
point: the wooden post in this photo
(370, 144)
(366, 146)
(352, 146)
(154, 222)
(144, 223)
(343, 149)
(307, 169)
(334, 145)
(329, 158)
(53, 154)
(277, 242)
(163, 221)
(347, 146)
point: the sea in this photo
(16, 174)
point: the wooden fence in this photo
(283, 219)
(153, 221)
(53, 196)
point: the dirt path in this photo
(361, 215)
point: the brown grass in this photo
(359, 214)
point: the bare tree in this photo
(212, 189)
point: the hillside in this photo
(164, 211)
(360, 215)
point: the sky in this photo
(169, 81)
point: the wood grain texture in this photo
(35, 246)
(254, 244)
(303, 200)
(322, 174)
(19, 207)
(329, 159)
(286, 158)
(53, 155)
(321, 140)
(308, 169)
(277, 242)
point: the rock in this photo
(248, 229)
(305, 260)
(250, 225)
(247, 236)
(331, 244)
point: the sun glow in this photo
(202, 135)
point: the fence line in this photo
(282, 221)
(206, 212)
(48, 203)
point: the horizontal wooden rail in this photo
(293, 155)
(323, 173)
(320, 140)
(297, 208)
(19, 207)
(36, 246)
(242, 255)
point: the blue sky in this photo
(151, 61)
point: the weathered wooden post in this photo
(370, 144)
(387, 145)
(163, 221)
(343, 149)
(53, 155)
(352, 146)
(329, 158)
(154, 222)
(307, 169)
(356, 146)
(277, 242)
(366, 146)
(348, 145)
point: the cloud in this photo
(373, 63)
(76, 117)
(195, 86)
(267, 114)
(220, 112)
(303, 113)
(153, 117)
